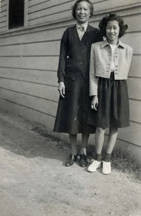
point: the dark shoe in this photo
(89, 159)
(83, 161)
(70, 161)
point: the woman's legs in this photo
(73, 142)
(84, 144)
(73, 152)
(83, 150)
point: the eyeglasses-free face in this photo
(112, 31)
(82, 12)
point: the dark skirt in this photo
(113, 105)
(72, 112)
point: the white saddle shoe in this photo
(94, 166)
(106, 167)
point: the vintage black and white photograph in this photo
(70, 107)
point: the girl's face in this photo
(112, 31)
(82, 12)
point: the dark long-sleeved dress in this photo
(73, 70)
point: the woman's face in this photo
(82, 12)
(112, 31)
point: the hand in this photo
(61, 89)
(94, 102)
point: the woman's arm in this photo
(62, 58)
(62, 65)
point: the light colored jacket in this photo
(100, 62)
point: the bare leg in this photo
(112, 140)
(72, 157)
(83, 151)
(100, 132)
(73, 142)
(106, 169)
(84, 145)
(99, 137)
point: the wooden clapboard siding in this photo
(31, 49)
(43, 105)
(109, 5)
(3, 21)
(134, 88)
(135, 67)
(47, 12)
(2, 15)
(27, 112)
(47, 92)
(134, 40)
(39, 13)
(31, 62)
(32, 37)
(131, 134)
(29, 59)
(135, 116)
(29, 75)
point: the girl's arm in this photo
(92, 75)
(93, 80)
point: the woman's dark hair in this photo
(76, 4)
(112, 17)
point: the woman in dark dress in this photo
(73, 79)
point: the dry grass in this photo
(123, 162)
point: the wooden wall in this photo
(29, 58)
(3, 9)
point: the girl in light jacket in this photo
(109, 66)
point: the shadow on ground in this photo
(33, 140)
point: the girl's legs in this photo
(100, 140)
(106, 169)
(113, 133)
(99, 137)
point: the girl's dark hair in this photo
(76, 4)
(112, 17)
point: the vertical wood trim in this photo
(26, 7)
(7, 14)
(0, 5)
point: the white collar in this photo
(84, 25)
(120, 44)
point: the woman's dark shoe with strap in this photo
(70, 161)
(83, 161)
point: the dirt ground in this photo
(34, 181)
